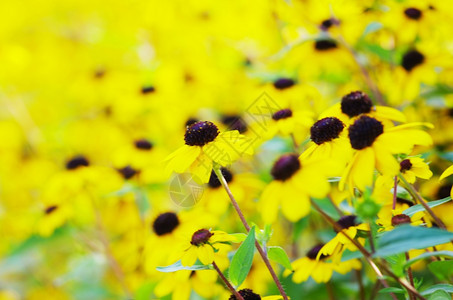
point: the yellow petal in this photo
(181, 159)
(363, 169)
(189, 257)
(270, 201)
(205, 254)
(390, 113)
(446, 173)
(295, 205)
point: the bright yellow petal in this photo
(189, 257)
(390, 113)
(270, 201)
(182, 158)
(295, 205)
(205, 254)
(363, 169)
(446, 173)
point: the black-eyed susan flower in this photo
(329, 140)
(203, 244)
(358, 103)
(399, 218)
(350, 227)
(320, 267)
(204, 146)
(294, 182)
(288, 121)
(375, 145)
(248, 294)
(413, 167)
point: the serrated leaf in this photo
(440, 295)
(442, 269)
(438, 287)
(426, 255)
(416, 208)
(177, 266)
(394, 290)
(279, 255)
(405, 237)
(242, 260)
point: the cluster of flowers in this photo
(142, 167)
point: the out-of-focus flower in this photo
(413, 167)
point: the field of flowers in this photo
(222, 150)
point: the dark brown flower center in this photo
(412, 59)
(326, 24)
(284, 83)
(405, 165)
(282, 114)
(201, 133)
(285, 167)
(347, 221)
(127, 172)
(165, 223)
(326, 130)
(413, 13)
(214, 182)
(201, 237)
(78, 161)
(324, 45)
(235, 122)
(143, 144)
(50, 209)
(400, 219)
(313, 252)
(247, 294)
(356, 103)
(364, 132)
(148, 89)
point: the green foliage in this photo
(177, 266)
(279, 255)
(442, 269)
(417, 208)
(405, 237)
(242, 260)
(439, 295)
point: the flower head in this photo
(205, 146)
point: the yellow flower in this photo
(293, 185)
(375, 145)
(415, 167)
(328, 141)
(204, 146)
(320, 267)
(288, 121)
(357, 103)
(445, 174)
(203, 244)
(398, 218)
(340, 242)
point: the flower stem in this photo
(227, 283)
(247, 227)
(395, 188)
(419, 198)
(367, 255)
(410, 276)
(360, 282)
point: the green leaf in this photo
(279, 255)
(440, 295)
(177, 266)
(405, 237)
(372, 27)
(416, 208)
(442, 269)
(438, 287)
(426, 255)
(242, 260)
(392, 290)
